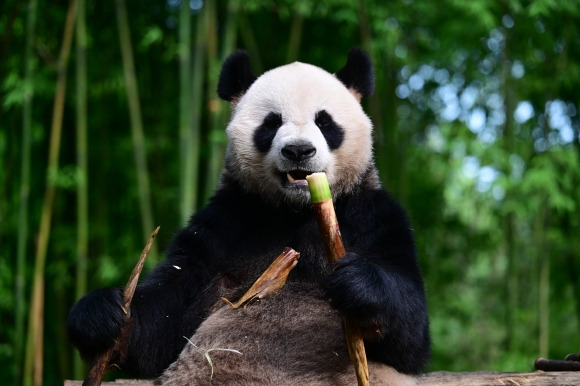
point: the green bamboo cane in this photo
(19, 280)
(296, 30)
(186, 185)
(33, 365)
(198, 77)
(136, 124)
(215, 105)
(82, 165)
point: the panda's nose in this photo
(298, 153)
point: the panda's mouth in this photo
(296, 178)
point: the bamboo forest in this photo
(110, 125)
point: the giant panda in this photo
(289, 122)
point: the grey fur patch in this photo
(292, 338)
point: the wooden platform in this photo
(481, 378)
(440, 378)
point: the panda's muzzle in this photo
(298, 154)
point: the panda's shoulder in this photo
(223, 213)
(371, 206)
(229, 203)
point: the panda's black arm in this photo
(164, 311)
(167, 306)
(379, 281)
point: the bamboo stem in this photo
(20, 301)
(323, 207)
(198, 77)
(186, 185)
(82, 164)
(101, 364)
(136, 122)
(33, 366)
(216, 110)
(296, 30)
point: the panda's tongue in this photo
(297, 177)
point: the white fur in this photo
(298, 91)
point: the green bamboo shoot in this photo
(321, 198)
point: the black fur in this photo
(236, 76)
(97, 331)
(358, 73)
(229, 244)
(332, 132)
(266, 132)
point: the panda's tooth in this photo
(290, 179)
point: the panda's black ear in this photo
(235, 77)
(358, 74)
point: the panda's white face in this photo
(292, 121)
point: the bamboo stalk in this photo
(249, 41)
(198, 77)
(217, 112)
(82, 164)
(136, 122)
(19, 297)
(186, 185)
(101, 364)
(296, 30)
(322, 203)
(33, 365)
(215, 105)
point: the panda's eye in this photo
(272, 121)
(323, 120)
(265, 133)
(332, 132)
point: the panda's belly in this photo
(291, 338)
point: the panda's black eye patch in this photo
(332, 132)
(273, 121)
(265, 133)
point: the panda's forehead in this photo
(296, 91)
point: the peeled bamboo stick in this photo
(101, 364)
(328, 224)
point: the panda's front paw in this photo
(94, 322)
(356, 288)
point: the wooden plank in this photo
(481, 378)
(442, 378)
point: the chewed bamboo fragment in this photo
(271, 281)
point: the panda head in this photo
(295, 120)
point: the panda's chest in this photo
(258, 245)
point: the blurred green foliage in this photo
(477, 134)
